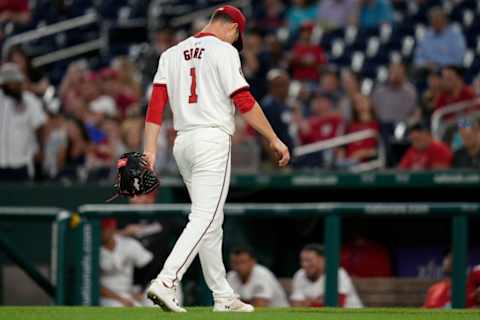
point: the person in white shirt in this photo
(254, 283)
(309, 282)
(21, 121)
(118, 257)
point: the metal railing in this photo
(345, 140)
(49, 30)
(448, 115)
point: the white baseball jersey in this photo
(18, 123)
(201, 74)
(304, 289)
(261, 284)
(117, 266)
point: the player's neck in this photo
(211, 30)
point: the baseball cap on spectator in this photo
(109, 223)
(237, 17)
(10, 72)
(105, 105)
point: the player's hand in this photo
(150, 156)
(281, 151)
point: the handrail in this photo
(68, 52)
(453, 108)
(344, 140)
(48, 30)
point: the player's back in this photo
(198, 74)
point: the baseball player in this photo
(201, 77)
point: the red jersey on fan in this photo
(436, 153)
(14, 5)
(311, 54)
(365, 144)
(446, 99)
(321, 128)
(473, 284)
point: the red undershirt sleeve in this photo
(243, 100)
(158, 101)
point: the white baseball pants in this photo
(203, 158)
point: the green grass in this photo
(96, 313)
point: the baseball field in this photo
(95, 313)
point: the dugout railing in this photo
(87, 260)
(59, 218)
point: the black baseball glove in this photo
(134, 176)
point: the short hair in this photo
(314, 247)
(437, 10)
(242, 250)
(221, 16)
(459, 71)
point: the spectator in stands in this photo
(454, 88)
(300, 12)
(276, 52)
(269, 15)
(468, 157)
(363, 257)
(374, 13)
(128, 77)
(127, 103)
(473, 287)
(394, 101)
(275, 106)
(334, 14)
(253, 282)
(162, 39)
(72, 157)
(55, 140)
(442, 45)
(363, 118)
(307, 57)
(71, 87)
(426, 153)
(439, 294)
(16, 11)
(330, 86)
(351, 88)
(35, 80)
(256, 63)
(323, 123)
(431, 94)
(22, 119)
(119, 256)
(309, 282)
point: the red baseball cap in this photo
(237, 16)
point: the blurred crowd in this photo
(76, 129)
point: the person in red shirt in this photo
(454, 88)
(473, 287)
(362, 257)
(363, 118)
(307, 58)
(323, 124)
(425, 153)
(16, 11)
(439, 294)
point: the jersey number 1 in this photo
(193, 87)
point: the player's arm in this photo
(153, 120)
(254, 116)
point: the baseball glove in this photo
(134, 176)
